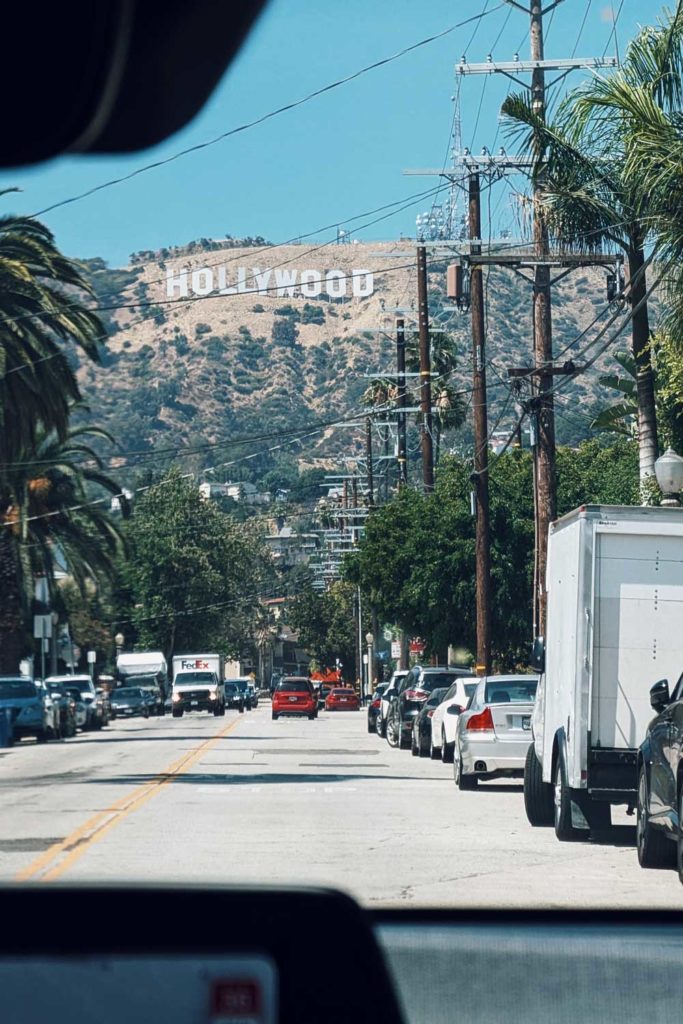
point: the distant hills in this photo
(224, 340)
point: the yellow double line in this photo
(61, 856)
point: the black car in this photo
(373, 706)
(422, 723)
(410, 698)
(659, 831)
(130, 702)
(234, 697)
(244, 685)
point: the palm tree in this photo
(450, 408)
(40, 314)
(593, 184)
(49, 522)
(622, 416)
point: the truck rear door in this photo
(638, 630)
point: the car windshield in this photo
(10, 688)
(367, 376)
(506, 692)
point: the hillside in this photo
(254, 340)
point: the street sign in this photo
(417, 646)
(42, 627)
(92, 657)
(395, 649)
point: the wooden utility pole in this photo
(401, 402)
(368, 459)
(480, 477)
(425, 372)
(546, 482)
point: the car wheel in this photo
(311, 718)
(414, 750)
(562, 809)
(464, 782)
(679, 838)
(403, 740)
(42, 736)
(380, 728)
(539, 796)
(274, 716)
(655, 849)
(434, 752)
(447, 750)
(176, 713)
(392, 731)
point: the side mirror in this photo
(659, 695)
(537, 659)
(454, 709)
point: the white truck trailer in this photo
(614, 627)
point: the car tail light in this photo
(482, 722)
(376, 703)
(430, 713)
(417, 694)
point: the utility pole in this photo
(480, 477)
(425, 372)
(368, 460)
(401, 402)
(546, 481)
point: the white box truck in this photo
(614, 627)
(197, 684)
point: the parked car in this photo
(155, 697)
(74, 692)
(234, 697)
(94, 718)
(66, 704)
(294, 695)
(31, 715)
(413, 690)
(342, 698)
(385, 700)
(253, 693)
(131, 702)
(445, 719)
(52, 708)
(322, 694)
(421, 736)
(374, 706)
(659, 828)
(494, 734)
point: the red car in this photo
(342, 698)
(294, 695)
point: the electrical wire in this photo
(613, 33)
(293, 105)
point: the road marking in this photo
(63, 855)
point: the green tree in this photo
(591, 170)
(195, 575)
(325, 624)
(51, 522)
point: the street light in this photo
(119, 640)
(669, 473)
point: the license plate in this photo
(194, 703)
(293, 700)
(526, 723)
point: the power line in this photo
(265, 117)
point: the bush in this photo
(284, 332)
(215, 347)
(312, 314)
(202, 329)
(289, 311)
(258, 308)
(181, 345)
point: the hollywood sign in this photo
(253, 281)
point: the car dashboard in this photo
(275, 956)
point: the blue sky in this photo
(337, 156)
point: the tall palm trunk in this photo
(642, 353)
(13, 640)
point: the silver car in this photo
(494, 732)
(385, 701)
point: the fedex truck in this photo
(614, 627)
(197, 684)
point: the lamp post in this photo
(119, 640)
(669, 473)
(369, 639)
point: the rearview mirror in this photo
(454, 709)
(537, 659)
(659, 695)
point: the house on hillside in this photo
(241, 491)
(288, 547)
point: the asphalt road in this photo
(246, 799)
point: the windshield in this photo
(16, 688)
(368, 374)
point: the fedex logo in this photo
(196, 663)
